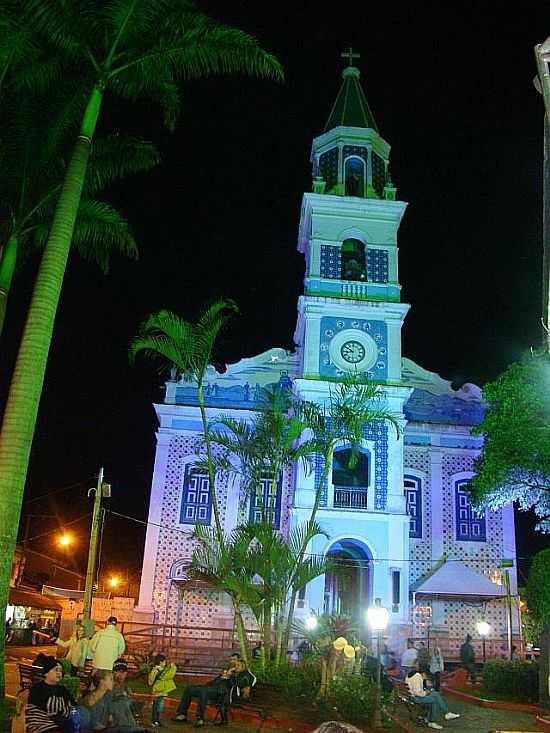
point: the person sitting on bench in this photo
(219, 692)
(432, 700)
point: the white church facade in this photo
(402, 525)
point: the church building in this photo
(400, 522)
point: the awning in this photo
(19, 597)
(71, 594)
(454, 579)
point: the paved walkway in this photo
(474, 719)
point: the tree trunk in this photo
(302, 552)
(290, 618)
(211, 475)
(241, 633)
(28, 376)
(267, 632)
(7, 268)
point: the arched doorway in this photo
(349, 590)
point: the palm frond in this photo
(116, 156)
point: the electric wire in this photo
(56, 529)
(56, 491)
(351, 563)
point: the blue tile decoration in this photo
(423, 406)
(245, 396)
(376, 329)
(377, 265)
(357, 150)
(331, 261)
(328, 168)
(377, 431)
(318, 472)
(378, 174)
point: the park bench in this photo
(28, 675)
(416, 711)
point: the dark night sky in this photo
(451, 90)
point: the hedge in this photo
(516, 679)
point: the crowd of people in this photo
(107, 702)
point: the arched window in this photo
(470, 525)
(350, 483)
(354, 176)
(196, 507)
(413, 497)
(354, 263)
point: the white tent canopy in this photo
(453, 579)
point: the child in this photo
(161, 679)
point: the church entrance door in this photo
(348, 591)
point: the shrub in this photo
(294, 680)
(354, 696)
(516, 679)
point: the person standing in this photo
(107, 645)
(423, 658)
(161, 679)
(468, 658)
(408, 658)
(77, 648)
(437, 666)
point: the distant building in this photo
(400, 521)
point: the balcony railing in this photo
(350, 498)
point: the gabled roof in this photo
(351, 108)
(453, 579)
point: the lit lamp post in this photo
(65, 540)
(483, 629)
(378, 618)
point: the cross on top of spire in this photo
(350, 55)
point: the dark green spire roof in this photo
(351, 108)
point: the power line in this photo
(352, 562)
(56, 491)
(56, 529)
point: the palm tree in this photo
(136, 49)
(265, 446)
(351, 407)
(283, 572)
(189, 348)
(223, 564)
(33, 171)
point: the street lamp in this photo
(378, 618)
(483, 629)
(65, 540)
(311, 623)
(114, 582)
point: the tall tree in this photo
(266, 445)
(223, 564)
(32, 158)
(189, 348)
(515, 461)
(136, 49)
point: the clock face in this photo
(352, 351)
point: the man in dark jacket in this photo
(220, 691)
(468, 658)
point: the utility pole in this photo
(101, 490)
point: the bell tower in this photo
(350, 315)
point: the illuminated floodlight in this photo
(311, 623)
